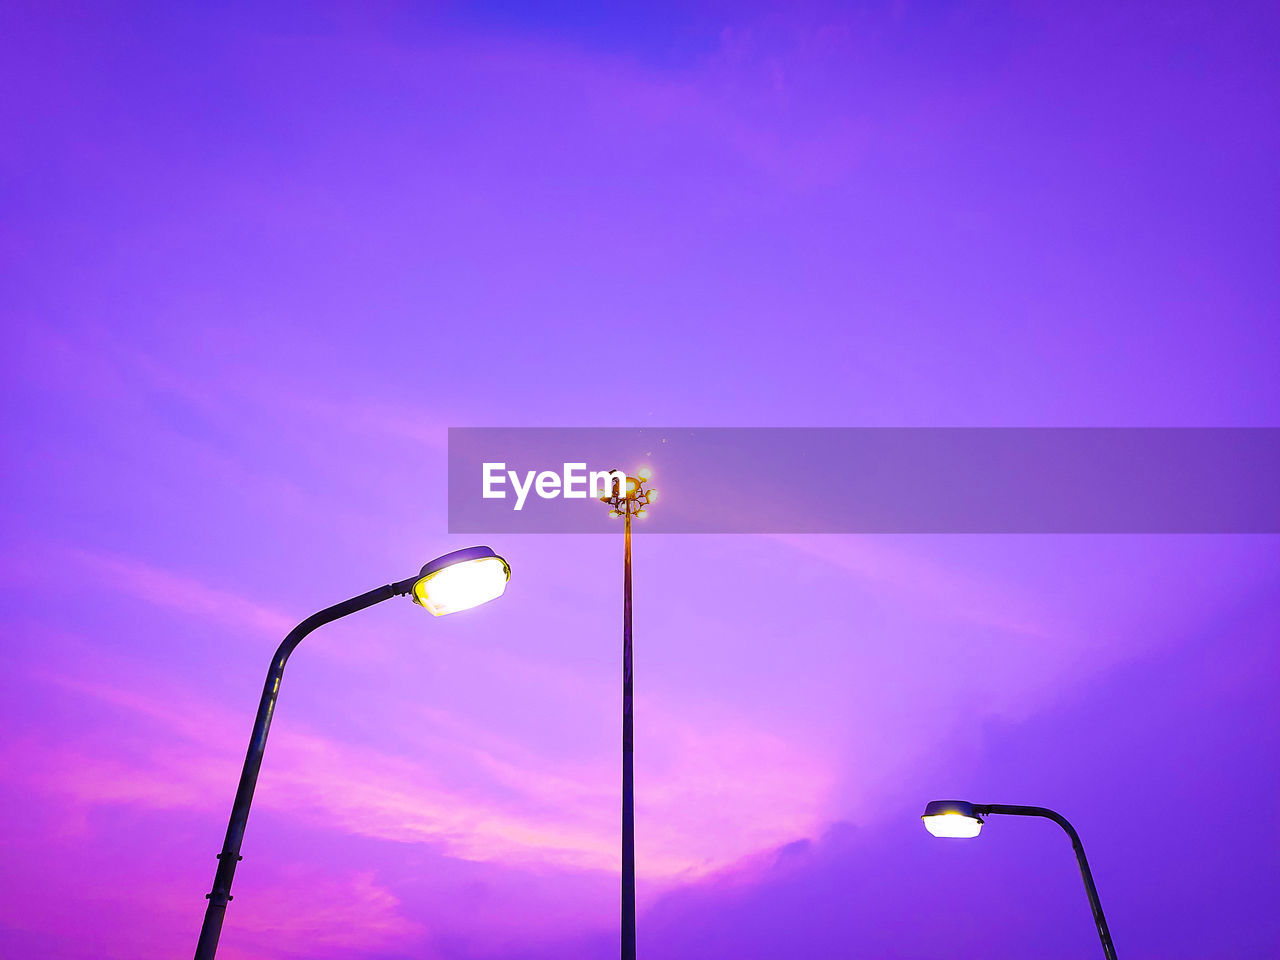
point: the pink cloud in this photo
(174, 591)
(509, 806)
(333, 917)
(316, 910)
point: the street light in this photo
(961, 819)
(456, 581)
(631, 500)
(461, 580)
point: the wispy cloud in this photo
(917, 577)
(314, 910)
(513, 806)
(473, 794)
(338, 915)
(163, 588)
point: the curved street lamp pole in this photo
(958, 818)
(1017, 810)
(438, 593)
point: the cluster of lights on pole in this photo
(628, 498)
(634, 499)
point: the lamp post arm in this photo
(230, 855)
(1017, 810)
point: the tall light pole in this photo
(628, 502)
(456, 581)
(959, 818)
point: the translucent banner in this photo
(870, 480)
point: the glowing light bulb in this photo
(951, 818)
(462, 585)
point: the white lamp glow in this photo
(952, 818)
(461, 584)
(952, 825)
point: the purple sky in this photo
(255, 264)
